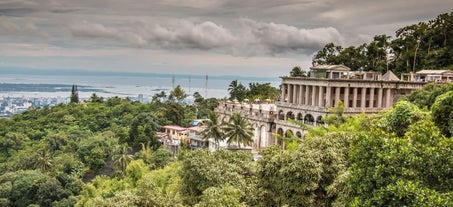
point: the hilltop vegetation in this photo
(426, 45)
(105, 153)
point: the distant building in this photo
(307, 99)
(174, 136)
(261, 115)
(429, 76)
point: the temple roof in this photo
(390, 76)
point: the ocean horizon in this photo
(122, 84)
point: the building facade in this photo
(307, 99)
(260, 114)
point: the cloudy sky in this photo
(216, 37)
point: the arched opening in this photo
(280, 131)
(290, 115)
(289, 133)
(300, 117)
(298, 134)
(319, 121)
(281, 115)
(309, 119)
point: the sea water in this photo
(127, 84)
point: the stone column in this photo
(371, 97)
(328, 97)
(301, 94)
(337, 95)
(346, 97)
(354, 98)
(379, 98)
(363, 98)
(290, 93)
(313, 95)
(321, 96)
(388, 98)
(307, 92)
(283, 93)
(295, 91)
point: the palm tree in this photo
(213, 129)
(238, 130)
(43, 160)
(121, 158)
(298, 72)
(236, 90)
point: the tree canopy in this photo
(426, 45)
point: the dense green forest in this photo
(105, 153)
(426, 45)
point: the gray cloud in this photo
(253, 38)
(279, 38)
(205, 35)
(292, 29)
(95, 30)
(21, 28)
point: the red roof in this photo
(175, 127)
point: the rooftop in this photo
(331, 67)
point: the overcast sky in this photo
(216, 37)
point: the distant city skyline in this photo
(200, 37)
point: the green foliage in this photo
(202, 169)
(161, 157)
(225, 196)
(104, 187)
(136, 169)
(442, 111)
(177, 94)
(72, 144)
(262, 91)
(96, 98)
(93, 152)
(412, 170)
(74, 94)
(400, 117)
(255, 91)
(426, 96)
(238, 130)
(143, 130)
(24, 188)
(50, 191)
(121, 158)
(237, 90)
(213, 129)
(415, 47)
(298, 72)
(168, 178)
(307, 176)
(174, 113)
(335, 116)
